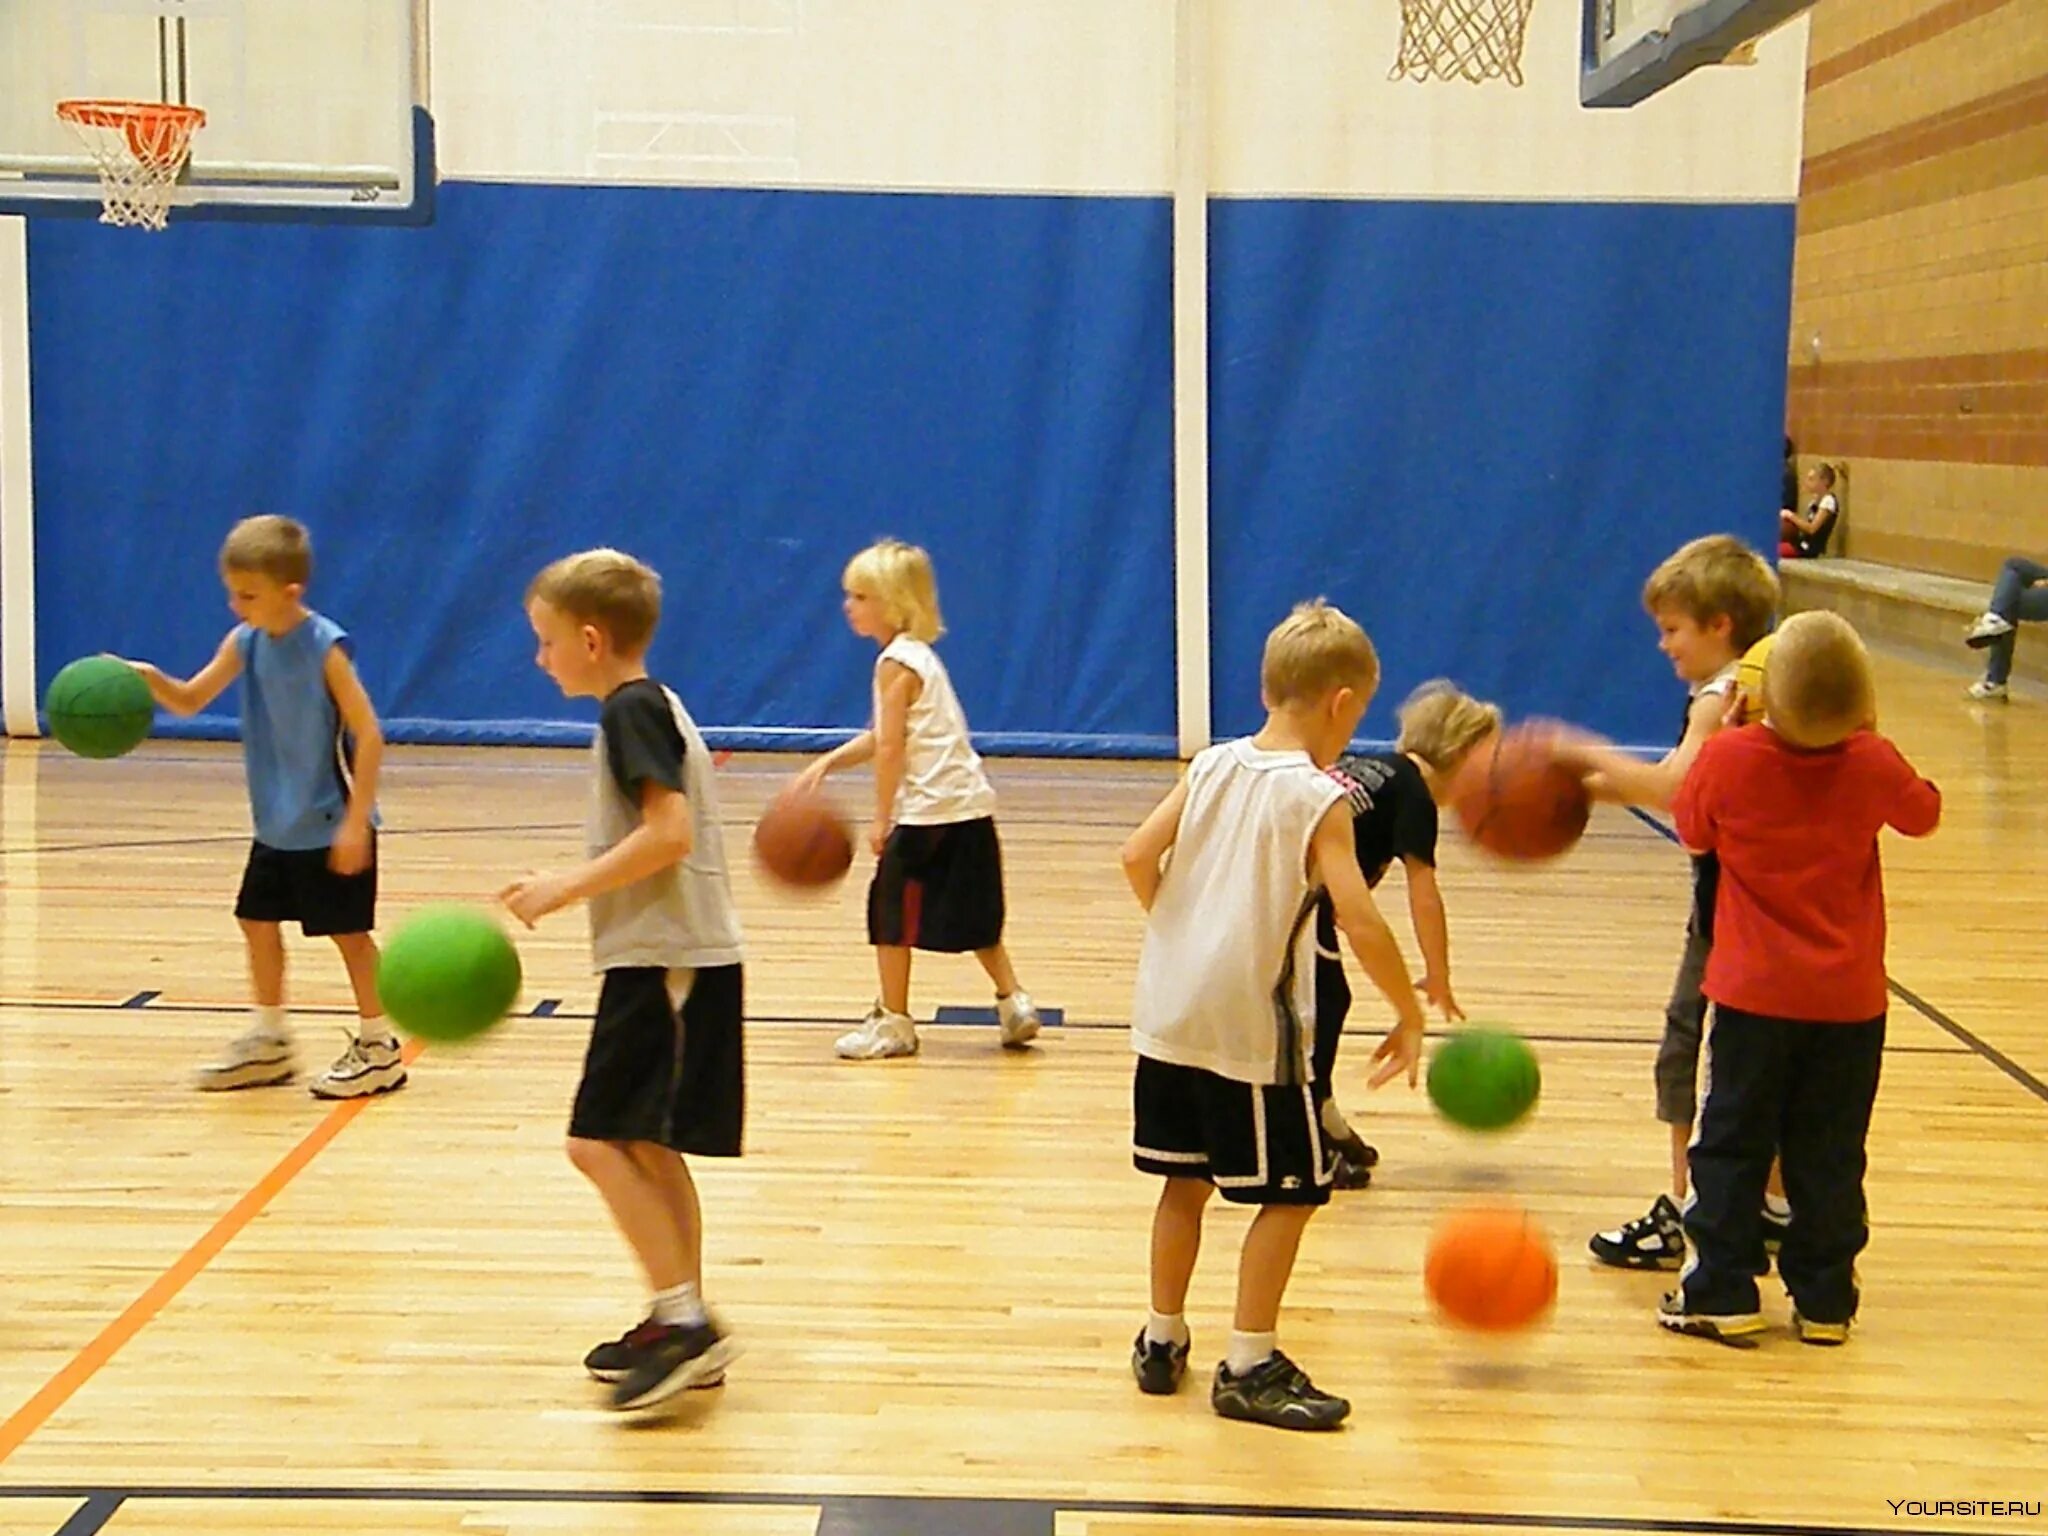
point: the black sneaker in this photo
(1738, 1329)
(1775, 1228)
(673, 1359)
(1158, 1367)
(1346, 1174)
(612, 1361)
(1277, 1392)
(1354, 1148)
(1655, 1240)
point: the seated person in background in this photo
(2019, 597)
(1804, 535)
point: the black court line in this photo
(992, 1517)
(90, 1516)
(1911, 999)
(550, 1008)
(206, 839)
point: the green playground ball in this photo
(1484, 1079)
(448, 973)
(99, 707)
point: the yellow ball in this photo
(1749, 677)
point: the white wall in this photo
(1071, 96)
(1304, 107)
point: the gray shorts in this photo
(1678, 1054)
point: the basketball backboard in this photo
(1635, 48)
(315, 109)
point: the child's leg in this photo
(1747, 1064)
(1826, 1123)
(670, 1176)
(1265, 1265)
(359, 955)
(1176, 1242)
(265, 942)
(996, 961)
(640, 1208)
(892, 963)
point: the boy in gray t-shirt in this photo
(664, 1075)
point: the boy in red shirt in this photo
(1793, 807)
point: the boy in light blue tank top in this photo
(312, 746)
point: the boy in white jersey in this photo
(1222, 1023)
(938, 866)
(312, 747)
(665, 1074)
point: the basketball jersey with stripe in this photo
(1226, 975)
(300, 761)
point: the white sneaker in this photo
(881, 1034)
(366, 1067)
(1016, 1019)
(256, 1058)
(1988, 628)
(1987, 692)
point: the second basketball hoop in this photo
(140, 148)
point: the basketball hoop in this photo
(1475, 40)
(140, 148)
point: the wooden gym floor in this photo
(256, 1312)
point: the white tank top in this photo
(1226, 976)
(942, 777)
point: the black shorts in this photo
(939, 888)
(1257, 1145)
(653, 1073)
(284, 885)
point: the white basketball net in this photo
(1475, 40)
(140, 148)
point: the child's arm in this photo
(351, 851)
(1144, 848)
(1432, 935)
(848, 754)
(1916, 808)
(1617, 776)
(665, 836)
(199, 690)
(1333, 861)
(899, 690)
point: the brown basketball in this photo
(800, 840)
(1491, 1269)
(1518, 801)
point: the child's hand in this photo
(1400, 1052)
(811, 780)
(534, 897)
(350, 854)
(878, 836)
(1438, 990)
(1569, 744)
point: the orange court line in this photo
(56, 1392)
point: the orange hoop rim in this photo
(119, 114)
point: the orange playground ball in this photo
(1491, 1269)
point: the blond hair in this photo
(1440, 723)
(1818, 686)
(1314, 651)
(1715, 576)
(610, 590)
(271, 546)
(900, 577)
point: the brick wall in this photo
(1919, 345)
